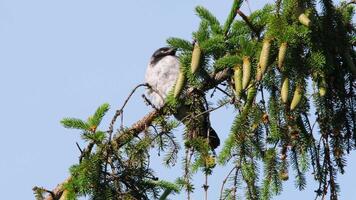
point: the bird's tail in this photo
(199, 126)
(214, 140)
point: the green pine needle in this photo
(75, 123)
(227, 62)
(235, 6)
(180, 44)
(214, 23)
(98, 115)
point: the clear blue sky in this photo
(64, 58)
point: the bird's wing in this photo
(161, 77)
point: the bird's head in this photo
(162, 52)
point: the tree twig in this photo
(117, 114)
(86, 151)
(148, 102)
(249, 24)
(224, 182)
(120, 111)
(80, 149)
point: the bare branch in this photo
(120, 111)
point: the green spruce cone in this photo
(196, 54)
(179, 84)
(322, 91)
(264, 57)
(251, 93)
(322, 87)
(238, 80)
(297, 96)
(282, 54)
(246, 71)
(284, 90)
(304, 19)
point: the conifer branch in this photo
(188, 156)
(234, 190)
(236, 5)
(224, 182)
(127, 151)
(249, 24)
(117, 114)
(122, 137)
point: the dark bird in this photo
(162, 73)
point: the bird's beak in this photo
(172, 51)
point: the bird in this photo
(161, 75)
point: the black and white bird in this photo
(162, 73)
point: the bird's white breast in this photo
(161, 77)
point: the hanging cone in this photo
(304, 19)
(196, 54)
(282, 55)
(284, 90)
(296, 97)
(264, 56)
(179, 84)
(251, 93)
(246, 71)
(322, 87)
(238, 80)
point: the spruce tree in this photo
(272, 67)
